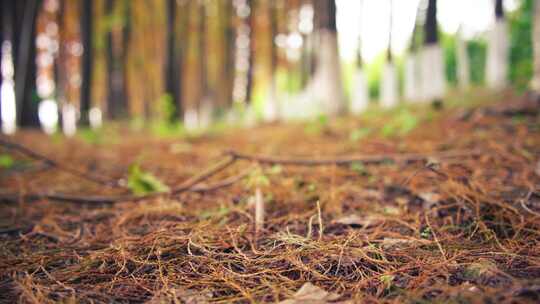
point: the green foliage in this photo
(6, 161)
(289, 81)
(167, 108)
(93, 137)
(403, 123)
(141, 182)
(358, 134)
(450, 58)
(317, 125)
(521, 49)
(426, 233)
(374, 71)
(359, 168)
(257, 178)
(477, 49)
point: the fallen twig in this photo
(346, 160)
(232, 156)
(37, 156)
(188, 185)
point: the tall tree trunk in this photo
(389, 82)
(327, 82)
(499, 9)
(536, 49)
(497, 57)
(230, 47)
(112, 102)
(251, 25)
(3, 9)
(116, 56)
(86, 61)
(271, 106)
(430, 27)
(360, 96)
(203, 56)
(172, 64)
(25, 78)
(432, 65)
(124, 56)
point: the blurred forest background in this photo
(184, 64)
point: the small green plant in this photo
(90, 136)
(387, 279)
(317, 125)
(403, 123)
(6, 161)
(359, 168)
(257, 178)
(426, 233)
(141, 182)
(358, 134)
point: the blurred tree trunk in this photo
(124, 54)
(328, 83)
(271, 106)
(273, 33)
(250, 23)
(25, 66)
(202, 56)
(498, 46)
(112, 102)
(116, 56)
(430, 27)
(3, 9)
(229, 52)
(87, 60)
(59, 62)
(172, 63)
(499, 9)
(432, 65)
(536, 49)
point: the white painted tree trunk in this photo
(69, 119)
(360, 98)
(327, 82)
(271, 106)
(412, 78)
(497, 56)
(463, 67)
(389, 86)
(536, 48)
(433, 80)
(206, 111)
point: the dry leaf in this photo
(311, 294)
(356, 220)
(180, 295)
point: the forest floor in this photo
(407, 206)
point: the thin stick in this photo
(188, 185)
(34, 155)
(345, 160)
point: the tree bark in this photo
(3, 8)
(432, 66)
(536, 49)
(251, 24)
(430, 26)
(499, 9)
(327, 83)
(116, 56)
(230, 47)
(172, 64)
(25, 78)
(203, 79)
(86, 61)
